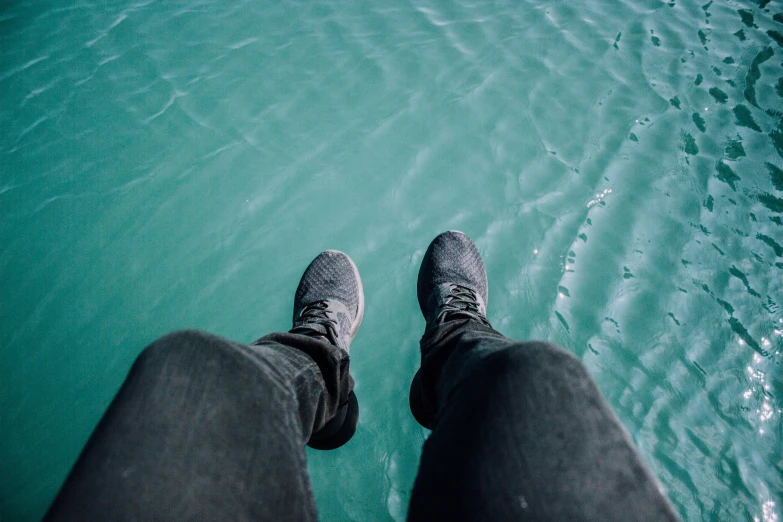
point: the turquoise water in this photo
(169, 165)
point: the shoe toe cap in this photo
(330, 275)
(452, 258)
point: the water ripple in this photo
(618, 164)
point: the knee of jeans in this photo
(184, 345)
(185, 357)
(530, 360)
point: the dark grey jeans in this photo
(204, 428)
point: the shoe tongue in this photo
(312, 329)
(443, 294)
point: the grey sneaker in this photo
(329, 300)
(452, 280)
(452, 285)
(329, 303)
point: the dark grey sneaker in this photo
(452, 285)
(452, 280)
(329, 300)
(329, 303)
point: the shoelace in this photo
(315, 313)
(462, 301)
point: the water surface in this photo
(177, 165)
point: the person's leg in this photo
(204, 428)
(520, 430)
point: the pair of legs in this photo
(204, 428)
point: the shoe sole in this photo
(360, 313)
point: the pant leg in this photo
(207, 429)
(521, 432)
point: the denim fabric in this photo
(207, 429)
(521, 432)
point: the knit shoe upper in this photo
(329, 300)
(452, 280)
